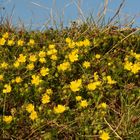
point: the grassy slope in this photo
(120, 119)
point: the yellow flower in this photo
(1, 77)
(102, 105)
(5, 35)
(75, 85)
(32, 58)
(30, 66)
(59, 109)
(7, 119)
(10, 43)
(16, 64)
(22, 58)
(110, 81)
(4, 65)
(72, 44)
(2, 41)
(7, 88)
(86, 64)
(35, 80)
(45, 99)
(30, 108)
(135, 68)
(86, 42)
(73, 56)
(31, 42)
(128, 65)
(64, 66)
(49, 91)
(44, 71)
(93, 85)
(96, 76)
(42, 60)
(18, 79)
(33, 115)
(20, 42)
(97, 56)
(78, 98)
(68, 40)
(104, 136)
(53, 57)
(84, 103)
(51, 46)
(42, 54)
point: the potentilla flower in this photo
(20, 42)
(110, 81)
(135, 68)
(4, 65)
(86, 64)
(42, 60)
(102, 105)
(7, 119)
(18, 79)
(104, 136)
(64, 66)
(51, 46)
(73, 56)
(5, 35)
(33, 116)
(7, 88)
(93, 85)
(33, 58)
(31, 42)
(59, 109)
(78, 98)
(45, 99)
(76, 85)
(44, 71)
(1, 77)
(53, 57)
(42, 54)
(97, 56)
(49, 91)
(35, 80)
(84, 103)
(30, 66)
(16, 64)
(30, 108)
(2, 41)
(22, 58)
(68, 40)
(10, 42)
(86, 43)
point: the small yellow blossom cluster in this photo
(104, 135)
(72, 44)
(59, 109)
(64, 66)
(73, 56)
(134, 67)
(46, 97)
(76, 85)
(7, 119)
(7, 88)
(82, 103)
(52, 52)
(42, 55)
(36, 80)
(30, 109)
(93, 85)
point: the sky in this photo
(37, 13)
